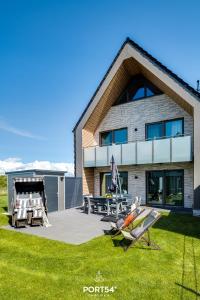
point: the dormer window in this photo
(138, 88)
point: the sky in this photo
(53, 54)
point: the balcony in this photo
(166, 150)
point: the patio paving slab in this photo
(70, 226)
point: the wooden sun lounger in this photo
(136, 213)
(138, 234)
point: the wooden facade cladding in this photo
(88, 181)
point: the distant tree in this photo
(3, 182)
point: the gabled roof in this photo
(153, 60)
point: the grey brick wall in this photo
(137, 187)
(136, 115)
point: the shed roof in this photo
(52, 172)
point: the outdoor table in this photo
(95, 201)
(108, 201)
(117, 202)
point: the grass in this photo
(37, 268)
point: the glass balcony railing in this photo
(167, 150)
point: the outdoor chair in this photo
(129, 201)
(21, 218)
(100, 207)
(133, 204)
(141, 232)
(86, 203)
(37, 217)
(127, 222)
(20, 208)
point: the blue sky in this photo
(53, 55)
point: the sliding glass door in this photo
(174, 188)
(155, 187)
(165, 187)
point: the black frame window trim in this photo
(164, 128)
(164, 187)
(109, 173)
(113, 137)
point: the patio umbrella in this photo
(114, 174)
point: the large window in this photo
(105, 182)
(171, 128)
(138, 88)
(118, 136)
(165, 187)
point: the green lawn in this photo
(37, 268)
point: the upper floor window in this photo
(117, 136)
(142, 90)
(171, 128)
(138, 88)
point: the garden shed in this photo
(61, 191)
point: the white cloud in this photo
(20, 132)
(16, 164)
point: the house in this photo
(149, 119)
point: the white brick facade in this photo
(134, 116)
(137, 187)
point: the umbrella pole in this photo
(119, 183)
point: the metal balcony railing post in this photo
(170, 149)
(152, 151)
(136, 152)
(121, 153)
(95, 156)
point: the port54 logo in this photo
(99, 288)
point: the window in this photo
(142, 92)
(165, 187)
(106, 138)
(118, 136)
(138, 88)
(154, 131)
(105, 182)
(171, 128)
(174, 128)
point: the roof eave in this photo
(172, 75)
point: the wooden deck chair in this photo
(126, 222)
(19, 214)
(138, 234)
(37, 217)
(37, 207)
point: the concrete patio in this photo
(70, 226)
